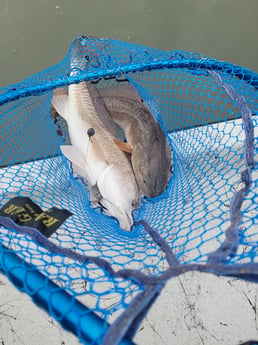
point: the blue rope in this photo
(230, 245)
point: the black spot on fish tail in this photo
(91, 132)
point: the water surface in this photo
(37, 34)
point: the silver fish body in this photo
(106, 165)
(151, 153)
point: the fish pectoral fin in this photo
(73, 154)
(98, 152)
(60, 101)
(123, 146)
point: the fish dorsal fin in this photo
(73, 154)
(60, 101)
(123, 146)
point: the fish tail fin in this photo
(60, 101)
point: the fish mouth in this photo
(124, 218)
(126, 221)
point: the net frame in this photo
(27, 278)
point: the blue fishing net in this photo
(96, 279)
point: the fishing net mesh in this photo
(206, 219)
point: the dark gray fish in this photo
(123, 90)
(150, 151)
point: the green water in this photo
(36, 34)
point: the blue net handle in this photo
(205, 63)
(53, 299)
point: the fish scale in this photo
(135, 119)
(106, 168)
(151, 154)
(113, 154)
